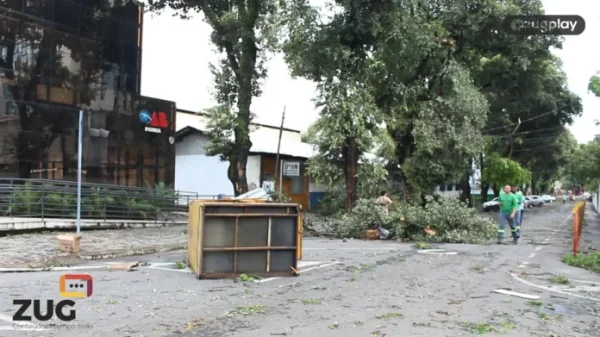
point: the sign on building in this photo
(291, 169)
(269, 186)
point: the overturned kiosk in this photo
(248, 234)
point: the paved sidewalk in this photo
(41, 249)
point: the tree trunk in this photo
(465, 187)
(350, 173)
(485, 187)
(496, 190)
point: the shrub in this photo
(365, 215)
(453, 221)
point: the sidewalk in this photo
(590, 234)
(41, 249)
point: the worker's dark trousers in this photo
(503, 218)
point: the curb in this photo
(141, 251)
(99, 256)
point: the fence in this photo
(58, 199)
(578, 216)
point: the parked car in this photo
(547, 198)
(536, 201)
(492, 205)
(528, 202)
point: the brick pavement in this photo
(41, 249)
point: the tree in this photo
(594, 85)
(244, 32)
(583, 163)
(344, 133)
(335, 54)
(502, 171)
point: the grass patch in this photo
(478, 269)
(249, 310)
(480, 328)
(245, 278)
(311, 301)
(179, 265)
(389, 315)
(557, 279)
(422, 245)
(535, 303)
(587, 261)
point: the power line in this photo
(527, 120)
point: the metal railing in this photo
(31, 198)
(578, 217)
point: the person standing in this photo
(384, 201)
(519, 215)
(508, 210)
(564, 198)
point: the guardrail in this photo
(578, 217)
(58, 199)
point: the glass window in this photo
(442, 188)
(450, 188)
(298, 182)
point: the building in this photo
(59, 56)
(207, 176)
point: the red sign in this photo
(159, 120)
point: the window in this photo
(298, 182)
(450, 188)
(442, 188)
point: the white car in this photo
(492, 205)
(547, 198)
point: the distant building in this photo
(60, 56)
(207, 176)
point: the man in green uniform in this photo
(521, 208)
(508, 209)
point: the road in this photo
(345, 289)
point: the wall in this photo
(596, 200)
(253, 172)
(316, 193)
(196, 172)
(268, 168)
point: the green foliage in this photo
(96, 203)
(589, 261)
(583, 163)
(371, 180)
(24, 200)
(453, 221)
(365, 215)
(594, 85)
(501, 171)
(446, 131)
(279, 197)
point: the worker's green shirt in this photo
(508, 202)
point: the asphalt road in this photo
(345, 289)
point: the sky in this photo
(176, 55)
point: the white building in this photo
(207, 176)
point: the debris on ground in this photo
(127, 266)
(513, 293)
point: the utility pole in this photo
(79, 162)
(277, 156)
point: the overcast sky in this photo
(176, 55)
